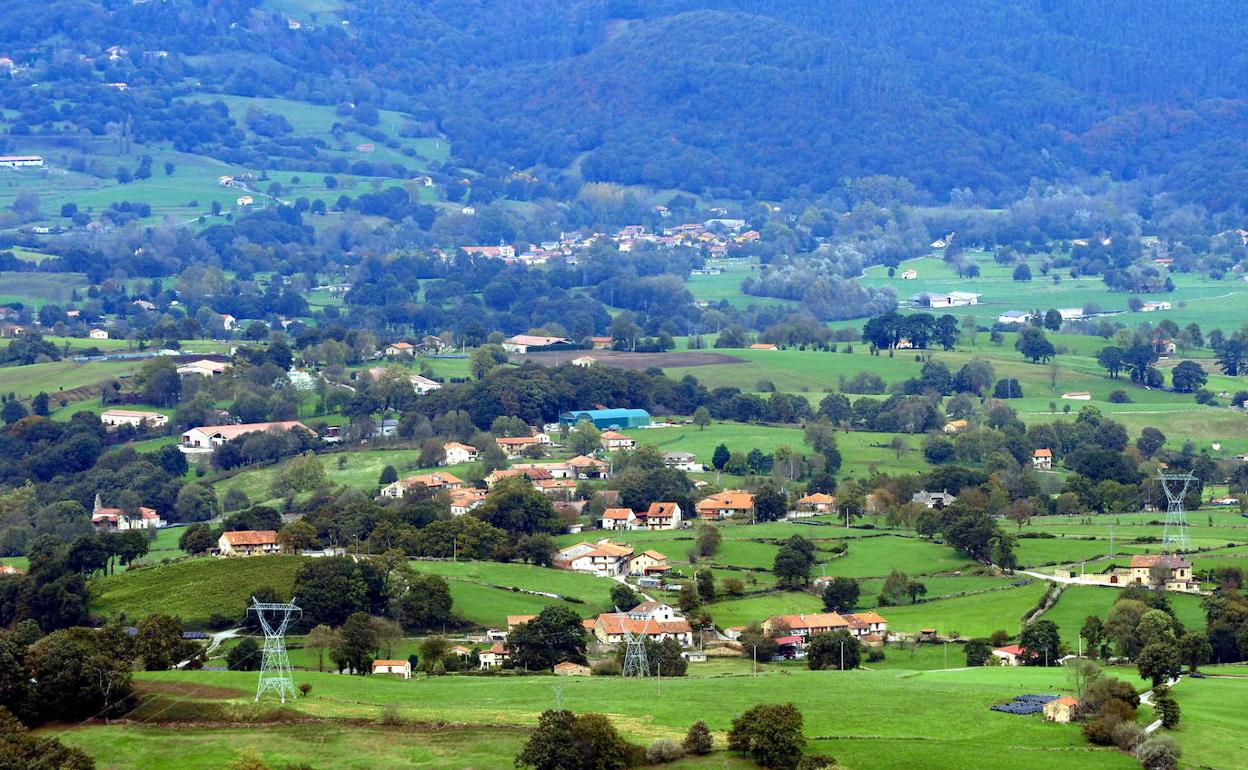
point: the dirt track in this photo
(635, 361)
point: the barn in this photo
(608, 418)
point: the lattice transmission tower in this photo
(275, 672)
(1176, 486)
(635, 663)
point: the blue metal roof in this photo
(603, 414)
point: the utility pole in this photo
(842, 654)
(754, 647)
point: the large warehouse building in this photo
(608, 418)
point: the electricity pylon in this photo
(635, 663)
(1176, 486)
(275, 672)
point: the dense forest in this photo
(724, 96)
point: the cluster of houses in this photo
(105, 519)
(713, 238)
(1170, 570)
(612, 560)
(794, 632)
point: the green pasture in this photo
(594, 592)
(1210, 732)
(362, 470)
(877, 556)
(56, 376)
(968, 616)
(34, 290)
(852, 715)
(192, 590)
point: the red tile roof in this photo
(245, 537)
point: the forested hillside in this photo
(724, 96)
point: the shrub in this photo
(663, 750)
(1159, 752)
(698, 740)
(390, 715)
(1126, 735)
(1119, 397)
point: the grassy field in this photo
(1078, 602)
(968, 616)
(57, 376)
(853, 716)
(1211, 730)
(482, 594)
(193, 590)
(38, 289)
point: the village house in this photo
(465, 500)
(204, 368)
(618, 518)
(556, 470)
(648, 563)
(396, 349)
(614, 442)
(1013, 317)
(661, 516)
(584, 467)
(115, 418)
(98, 334)
(458, 454)
(909, 274)
(764, 346)
(725, 505)
(1154, 306)
(514, 446)
(816, 503)
(1042, 459)
(494, 657)
(248, 543)
(1061, 710)
(524, 343)
(683, 461)
(400, 668)
(615, 627)
(600, 343)
(435, 481)
(208, 437)
(116, 520)
(584, 361)
(867, 626)
(604, 559)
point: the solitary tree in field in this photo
(701, 417)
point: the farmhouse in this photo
(817, 502)
(117, 520)
(1070, 313)
(1042, 459)
(98, 334)
(613, 441)
(422, 384)
(1061, 710)
(204, 368)
(955, 426)
(608, 419)
(614, 628)
(936, 299)
(866, 625)
(400, 668)
(247, 543)
(524, 343)
(434, 481)
(1178, 578)
(209, 437)
(495, 656)
(909, 274)
(115, 418)
(933, 499)
(584, 361)
(1013, 317)
(725, 505)
(763, 346)
(619, 518)
(584, 467)
(457, 453)
(1154, 306)
(568, 668)
(400, 349)
(1010, 655)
